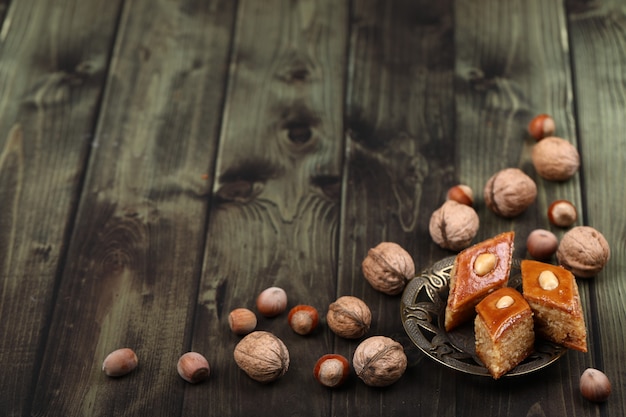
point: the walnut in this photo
(263, 356)
(509, 192)
(584, 251)
(555, 159)
(453, 225)
(379, 361)
(349, 317)
(388, 268)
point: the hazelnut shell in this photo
(331, 370)
(595, 385)
(242, 321)
(272, 301)
(541, 126)
(562, 213)
(303, 319)
(193, 367)
(461, 194)
(542, 244)
(120, 362)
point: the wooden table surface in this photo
(163, 161)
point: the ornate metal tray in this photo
(423, 308)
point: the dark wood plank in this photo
(209, 173)
(4, 5)
(512, 62)
(598, 35)
(503, 53)
(401, 161)
(275, 215)
(134, 261)
(51, 82)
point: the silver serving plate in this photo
(423, 307)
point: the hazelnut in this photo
(262, 356)
(453, 225)
(584, 251)
(349, 317)
(562, 213)
(461, 194)
(541, 244)
(388, 268)
(271, 301)
(595, 385)
(303, 319)
(120, 362)
(541, 126)
(485, 263)
(331, 370)
(548, 280)
(242, 321)
(379, 361)
(509, 192)
(505, 301)
(555, 159)
(193, 367)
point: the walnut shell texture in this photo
(453, 226)
(262, 355)
(379, 361)
(349, 317)
(555, 159)
(388, 268)
(509, 192)
(584, 251)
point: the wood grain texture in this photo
(601, 106)
(51, 83)
(4, 5)
(274, 218)
(512, 63)
(509, 70)
(134, 263)
(162, 162)
(401, 132)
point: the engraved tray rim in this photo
(422, 310)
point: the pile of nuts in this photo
(510, 191)
(265, 358)
(378, 361)
(583, 250)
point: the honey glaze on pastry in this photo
(477, 271)
(504, 331)
(552, 293)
